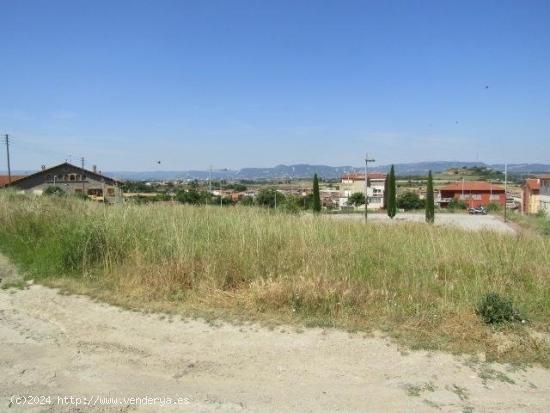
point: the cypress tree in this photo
(316, 195)
(386, 187)
(392, 193)
(430, 208)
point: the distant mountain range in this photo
(324, 171)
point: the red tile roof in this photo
(361, 176)
(532, 184)
(472, 186)
(4, 179)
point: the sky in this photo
(232, 84)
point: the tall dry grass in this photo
(416, 280)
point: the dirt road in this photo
(61, 345)
(459, 220)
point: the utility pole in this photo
(8, 156)
(367, 160)
(82, 175)
(505, 189)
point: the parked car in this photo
(477, 211)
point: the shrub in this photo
(356, 199)
(54, 190)
(457, 204)
(269, 197)
(494, 309)
(493, 207)
(409, 200)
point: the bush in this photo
(356, 199)
(494, 309)
(457, 204)
(269, 197)
(54, 190)
(493, 207)
(410, 200)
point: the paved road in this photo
(464, 221)
(61, 345)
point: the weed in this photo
(494, 309)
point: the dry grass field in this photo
(419, 283)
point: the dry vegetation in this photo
(417, 282)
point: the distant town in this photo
(457, 187)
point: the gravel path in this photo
(55, 344)
(464, 221)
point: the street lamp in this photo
(367, 160)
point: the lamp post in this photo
(367, 160)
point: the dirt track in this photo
(458, 220)
(55, 344)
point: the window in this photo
(111, 191)
(494, 197)
(72, 177)
(477, 197)
(78, 190)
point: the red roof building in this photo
(4, 180)
(530, 195)
(473, 193)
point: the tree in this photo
(269, 197)
(392, 202)
(356, 199)
(430, 207)
(409, 200)
(193, 196)
(291, 204)
(386, 189)
(247, 200)
(316, 195)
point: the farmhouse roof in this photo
(47, 170)
(472, 186)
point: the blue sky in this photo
(257, 83)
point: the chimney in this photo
(94, 169)
(43, 167)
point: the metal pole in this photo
(210, 180)
(8, 156)
(367, 160)
(505, 189)
(366, 185)
(82, 175)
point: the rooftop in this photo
(361, 176)
(4, 179)
(472, 186)
(533, 184)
